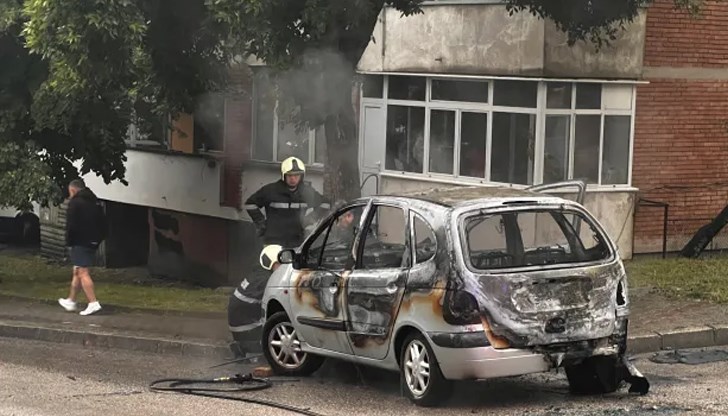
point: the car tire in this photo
(594, 375)
(416, 357)
(281, 348)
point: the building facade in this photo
(464, 94)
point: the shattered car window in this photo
(425, 240)
(385, 240)
(532, 238)
(331, 248)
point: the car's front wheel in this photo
(421, 378)
(282, 348)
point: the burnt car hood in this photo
(545, 307)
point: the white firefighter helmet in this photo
(269, 256)
(292, 166)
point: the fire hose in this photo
(245, 384)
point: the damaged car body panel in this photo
(496, 281)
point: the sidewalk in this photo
(150, 331)
(656, 323)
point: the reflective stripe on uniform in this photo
(325, 206)
(250, 206)
(244, 298)
(286, 205)
(245, 328)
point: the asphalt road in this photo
(43, 379)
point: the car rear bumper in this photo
(483, 362)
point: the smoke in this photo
(319, 87)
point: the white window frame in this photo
(311, 135)
(540, 111)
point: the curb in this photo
(692, 337)
(105, 340)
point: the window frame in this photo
(368, 217)
(539, 111)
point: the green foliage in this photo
(24, 177)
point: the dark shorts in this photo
(83, 256)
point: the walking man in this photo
(85, 229)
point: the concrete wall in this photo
(483, 39)
(189, 184)
(188, 247)
(614, 210)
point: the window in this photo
(515, 94)
(531, 238)
(513, 144)
(373, 86)
(467, 91)
(405, 138)
(506, 131)
(277, 136)
(150, 135)
(385, 240)
(556, 148)
(442, 141)
(588, 132)
(407, 88)
(332, 246)
(473, 138)
(425, 240)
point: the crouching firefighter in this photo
(286, 202)
(245, 319)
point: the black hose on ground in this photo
(247, 383)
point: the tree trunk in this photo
(341, 177)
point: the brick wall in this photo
(238, 132)
(675, 39)
(681, 126)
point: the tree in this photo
(316, 44)
(74, 74)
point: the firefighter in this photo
(244, 309)
(285, 202)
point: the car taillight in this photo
(460, 308)
(621, 295)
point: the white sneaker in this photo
(92, 307)
(67, 304)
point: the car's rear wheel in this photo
(594, 375)
(421, 378)
(282, 348)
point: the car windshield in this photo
(528, 238)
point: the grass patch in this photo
(705, 279)
(31, 276)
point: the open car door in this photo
(580, 185)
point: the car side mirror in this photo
(287, 256)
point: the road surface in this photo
(44, 379)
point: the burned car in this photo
(455, 284)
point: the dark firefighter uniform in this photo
(245, 318)
(285, 208)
